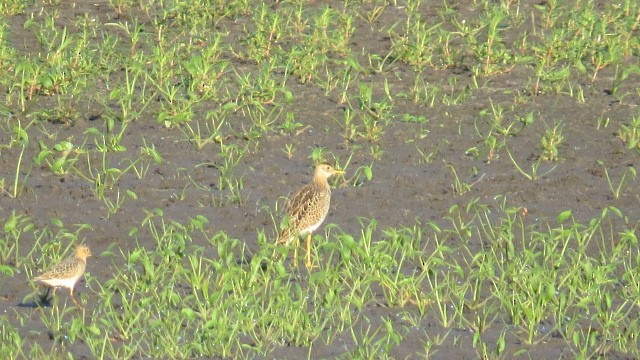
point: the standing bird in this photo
(307, 208)
(67, 272)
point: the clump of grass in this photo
(630, 133)
(550, 141)
(617, 190)
(534, 173)
(60, 158)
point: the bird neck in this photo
(320, 181)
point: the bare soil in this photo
(405, 189)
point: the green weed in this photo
(630, 133)
(60, 158)
(616, 190)
(535, 167)
(550, 141)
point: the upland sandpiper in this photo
(67, 272)
(307, 208)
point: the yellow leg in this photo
(53, 294)
(295, 252)
(74, 299)
(309, 252)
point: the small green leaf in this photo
(11, 223)
(95, 330)
(7, 270)
(93, 131)
(57, 222)
(133, 231)
(563, 216)
(189, 313)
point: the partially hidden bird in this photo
(67, 272)
(306, 209)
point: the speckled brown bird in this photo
(67, 272)
(307, 208)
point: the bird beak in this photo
(339, 172)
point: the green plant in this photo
(210, 130)
(14, 227)
(493, 145)
(376, 111)
(496, 120)
(417, 45)
(374, 342)
(260, 42)
(630, 133)
(228, 181)
(550, 141)
(20, 136)
(459, 187)
(12, 7)
(533, 175)
(616, 191)
(317, 155)
(289, 150)
(67, 155)
(63, 113)
(131, 96)
(290, 124)
(493, 54)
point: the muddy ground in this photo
(405, 190)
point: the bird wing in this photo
(297, 211)
(299, 204)
(61, 268)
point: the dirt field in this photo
(426, 157)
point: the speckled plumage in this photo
(307, 208)
(67, 272)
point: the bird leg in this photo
(295, 252)
(44, 298)
(74, 300)
(309, 265)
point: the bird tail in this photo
(285, 237)
(287, 234)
